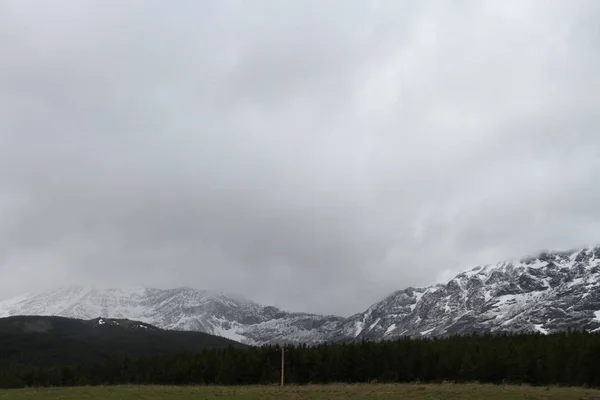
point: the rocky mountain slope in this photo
(178, 309)
(550, 292)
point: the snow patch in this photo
(228, 333)
(427, 332)
(358, 327)
(576, 282)
(487, 296)
(418, 296)
(539, 328)
(597, 315)
(374, 324)
(389, 329)
(504, 300)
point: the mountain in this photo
(550, 292)
(179, 309)
(47, 340)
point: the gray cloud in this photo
(312, 155)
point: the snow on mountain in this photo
(551, 292)
(177, 309)
(123, 323)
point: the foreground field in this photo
(320, 392)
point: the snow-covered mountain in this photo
(178, 309)
(550, 292)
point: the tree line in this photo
(569, 358)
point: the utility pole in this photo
(282, 363)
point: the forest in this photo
(51, 341)
(569, 358)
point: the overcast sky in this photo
(315, 155)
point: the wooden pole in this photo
(282, 364)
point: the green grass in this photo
(316, 392)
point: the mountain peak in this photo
(180, 308)
(549, 292)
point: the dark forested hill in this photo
(56, 340)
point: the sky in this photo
(313, 155)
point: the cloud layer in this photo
(312, 155)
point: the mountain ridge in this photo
(548, 292)
(177, 309)
(544, 293)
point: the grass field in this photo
(320, 392)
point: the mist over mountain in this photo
(550, 292)
(312, 155)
